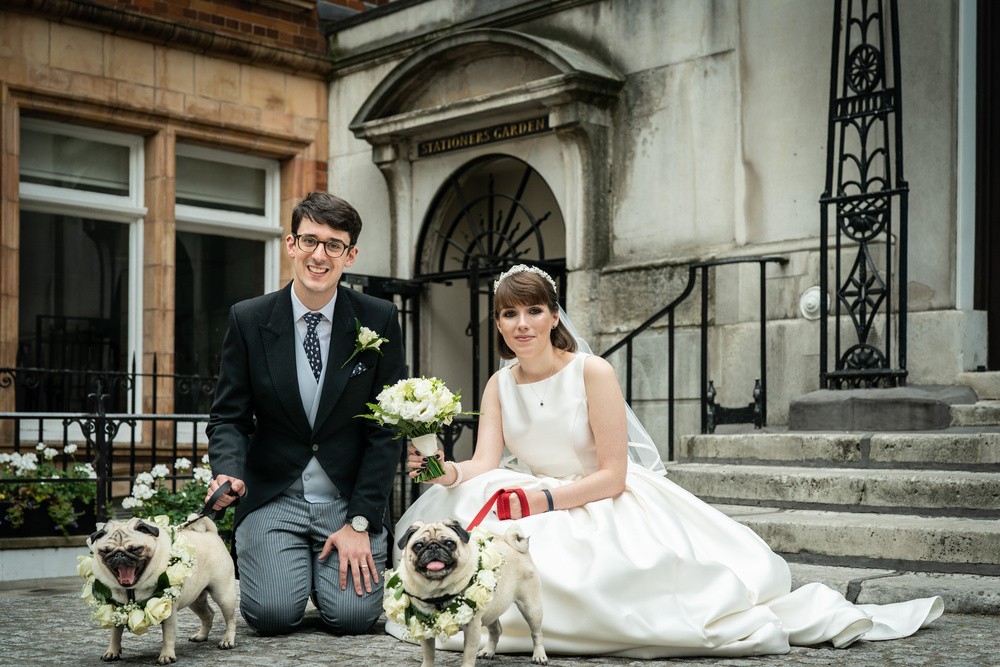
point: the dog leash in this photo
(502, 500)
(207, 510)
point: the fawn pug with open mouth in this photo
(440, 564)
(129, 559)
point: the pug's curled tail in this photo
(515, 538)
(202, 525)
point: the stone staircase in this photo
(880, 516)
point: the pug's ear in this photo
(148, 528)
(404, 540)
(462, 533)
(96, 536)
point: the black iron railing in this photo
(711, 414)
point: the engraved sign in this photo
(486, 135)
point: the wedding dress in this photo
(652, 572)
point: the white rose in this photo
(416, 629)
(480, 595)
(85, 568)
(157, 610)
(177, 574)
(88, 589)
(464, 615)
(395, 608)
(447, 624)
(137, 622)
(105, 615)
(491, 559)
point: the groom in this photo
(313, 482)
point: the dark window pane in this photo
(74, 162)
(213, 273)
(73, 308)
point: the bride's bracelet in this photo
(458, 475)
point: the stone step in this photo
(986, 385)
(962, 593)
(983, 413)
(924, 492)
(975, 449)
(955, 545)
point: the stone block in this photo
(896, 409)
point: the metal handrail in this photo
(669, 311)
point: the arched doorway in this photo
(493, 212)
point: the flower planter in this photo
(37, 522)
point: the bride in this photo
(631, 564)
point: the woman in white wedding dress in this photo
(631, 564)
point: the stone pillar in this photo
(159, 244)
(10, 234)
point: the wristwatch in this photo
(359, 523)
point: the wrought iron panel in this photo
(868, 202)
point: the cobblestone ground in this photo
(52, 627)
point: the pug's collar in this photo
(443, 601)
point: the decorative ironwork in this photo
(864, 144)
(488, 228)
(481, 223)
(719, 414)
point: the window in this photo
(228, 248)
(80, 283)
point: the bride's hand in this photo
(537, 503)
(417, 461)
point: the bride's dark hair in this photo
(528, 289)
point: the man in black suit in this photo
(313, 481)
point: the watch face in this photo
(359, 523)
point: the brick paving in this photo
(44, 623)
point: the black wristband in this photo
(548, 495)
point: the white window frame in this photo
(128, 210)
(236, 224)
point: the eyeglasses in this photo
(333, 249)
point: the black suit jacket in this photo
(258, 430)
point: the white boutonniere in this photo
(366, 340)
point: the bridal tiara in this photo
(519, 268)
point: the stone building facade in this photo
(674, 132)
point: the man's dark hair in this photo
(330, 210)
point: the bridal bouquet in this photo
(417, 408)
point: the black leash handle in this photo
(207, 510)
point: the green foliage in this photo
(154, 495)
(38, 486)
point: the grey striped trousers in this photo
(278, 547)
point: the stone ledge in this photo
(913, 408)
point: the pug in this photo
(436, 566)
(129, 559)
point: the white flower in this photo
(487, 578)
(369, 339)
(5, 458)
(204, 459)
(159, 471)
(464, 614)
(50, 453)
(182, 464)
(25, 463)
(142, 492)
(145, 478)
(203, 475)
(130, 502)
(40, 446)
(87, 469)
(69, 449)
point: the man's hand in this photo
(355, 551)
(238, 490)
